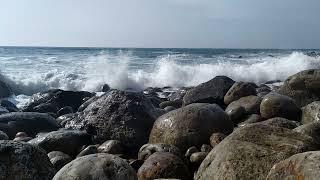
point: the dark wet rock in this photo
(250, 103)
(178, 95)
(281, 122)
(263, 88)
(236, 113)
(65, 110)
(97, 166)
(105, 88)
(92, 149)
(59, 159)
(239, 90)
(163, 165)
(57, 97)
(311, 113)
(136, 164)
(216, 138)
(148, 149)
(30, 122)
(3, 136)
(190, 151)
(87, 102)
(191, 125)
(24, 161)
(3, 110)
(176, 103)
(71, 121)
(8, 105)
(111, 147)
(22, 136)
(46, 108)
(303, 87)
(121, 115)
(255, 145)
(198, 157)
(156, 101)
(212, 91)
(249, 119)
(262, 94)
(206, 148)
(299, 166)
(277, 105)
(67, 141)
(9, 130)
(310, 129)
(5, 90)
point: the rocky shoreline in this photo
(220, 129)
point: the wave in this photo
(123, 72)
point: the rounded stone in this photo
(239, 90)
(111, 147)
(148, 149)
(59, 159)
(198, 157)
(216, 138)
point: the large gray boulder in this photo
(97, 166)
(191, 125)
(24, 161)
(29, 122)
(239, 90)
(251, 151)
(311, 113)
(277, 105)
(148, 149)
(303, 87)
(67, 141)
(121, 115)
(299, 166)
(250, 103)
(212, 91)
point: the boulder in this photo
(59, 159)
(303, 87)
(239, 90)
(30, 122)
(212, 91)
(299, 166)
(310, 129)
(121, 115)
(58, 98)
(3, 136)
(71, 121)
(8, 105)
(105, 88)
(206, 148)
(280, 122)
(65, 110)
(236, 114)
(87, 102)
(277, 105)
(92, 149)
(252, 118)
(24, 161)
(178, 95)
(175, 103)
(111, 147)
(250, 103)
(250, 152)
(96, 166)
(191, 125)
(163, 165)
(67, 141)
(5, 90)
(148, 149)
(3, 110)
(311, 113)
(216, 138)
(190, 151)
(198, 157)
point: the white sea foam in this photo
(117, 71)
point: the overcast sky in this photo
(161, 23)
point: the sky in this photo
(161, 23)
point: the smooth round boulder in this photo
(175, 103)
(24, 161)
(281, 122)
(191, 125)
(250, 103)
(111, 147)
(239, 90)
(96, 166)
(30, 122)
(303, 87)
(256, 145)
(277, 105)
(299, 166)
(67, 141)
(249, 119)
(311, 113)
(163, 165)
(59, 159)
(198, 157)
(148, 149)
(310, 129)
(212, 91)
(121, 115)
(190, 151)
(236, 114)
(92, 149)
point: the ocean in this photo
(29, 70)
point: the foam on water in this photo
(166, 70)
